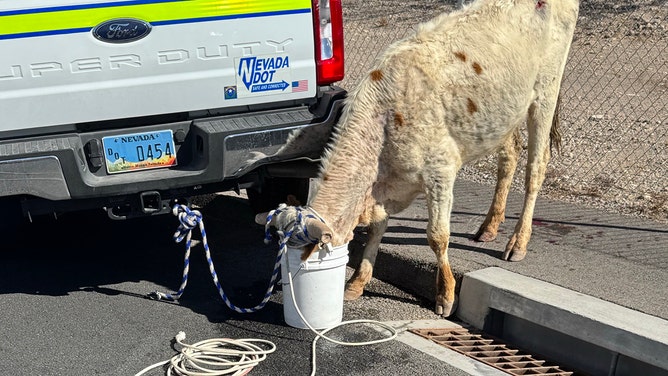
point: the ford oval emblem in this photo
(121, 30)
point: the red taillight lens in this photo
(328, 25)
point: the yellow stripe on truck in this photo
(57, 20)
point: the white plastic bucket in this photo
(318, 284)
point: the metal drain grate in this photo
(491, 351)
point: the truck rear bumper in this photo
(209, 151)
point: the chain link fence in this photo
(614, 106)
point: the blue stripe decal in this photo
(84, 6)
(158, 23)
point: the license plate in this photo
(139, 151)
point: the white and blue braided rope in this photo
(298, 236)
(189, 219)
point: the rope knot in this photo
(188, 220)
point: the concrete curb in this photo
(605, 333)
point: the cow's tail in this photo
(555, 131)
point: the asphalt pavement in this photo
(73, 290)
(73, 297)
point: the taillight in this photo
(328, 22)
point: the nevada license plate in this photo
(139, 151)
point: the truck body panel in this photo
(129, 105)
(186, 62)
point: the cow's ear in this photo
(319, 230)
(308, 251)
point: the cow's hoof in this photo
(485, 236)
(447, 309)
(514, 254)
(352, 293)
(514, 251)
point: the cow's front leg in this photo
(446, 300)
(363, 273)
(439, 203)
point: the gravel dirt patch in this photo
(614, 99)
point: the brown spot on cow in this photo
(471, 106)
(376, 75)
(461, 56)
(398, 119)
(325, 177)
(477, 68)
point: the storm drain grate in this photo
(491, 351)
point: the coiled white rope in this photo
(215, 357)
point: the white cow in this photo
(456, 90)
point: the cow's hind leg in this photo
(539, 124)
(363, 273)
(507, 162)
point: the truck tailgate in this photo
(66, 62)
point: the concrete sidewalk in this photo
(619, 259)
(592, 291)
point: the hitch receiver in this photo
(151, 202)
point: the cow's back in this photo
(465, 80)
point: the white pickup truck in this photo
(130, 105)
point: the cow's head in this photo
(311, 227)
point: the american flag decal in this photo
(301, 85)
